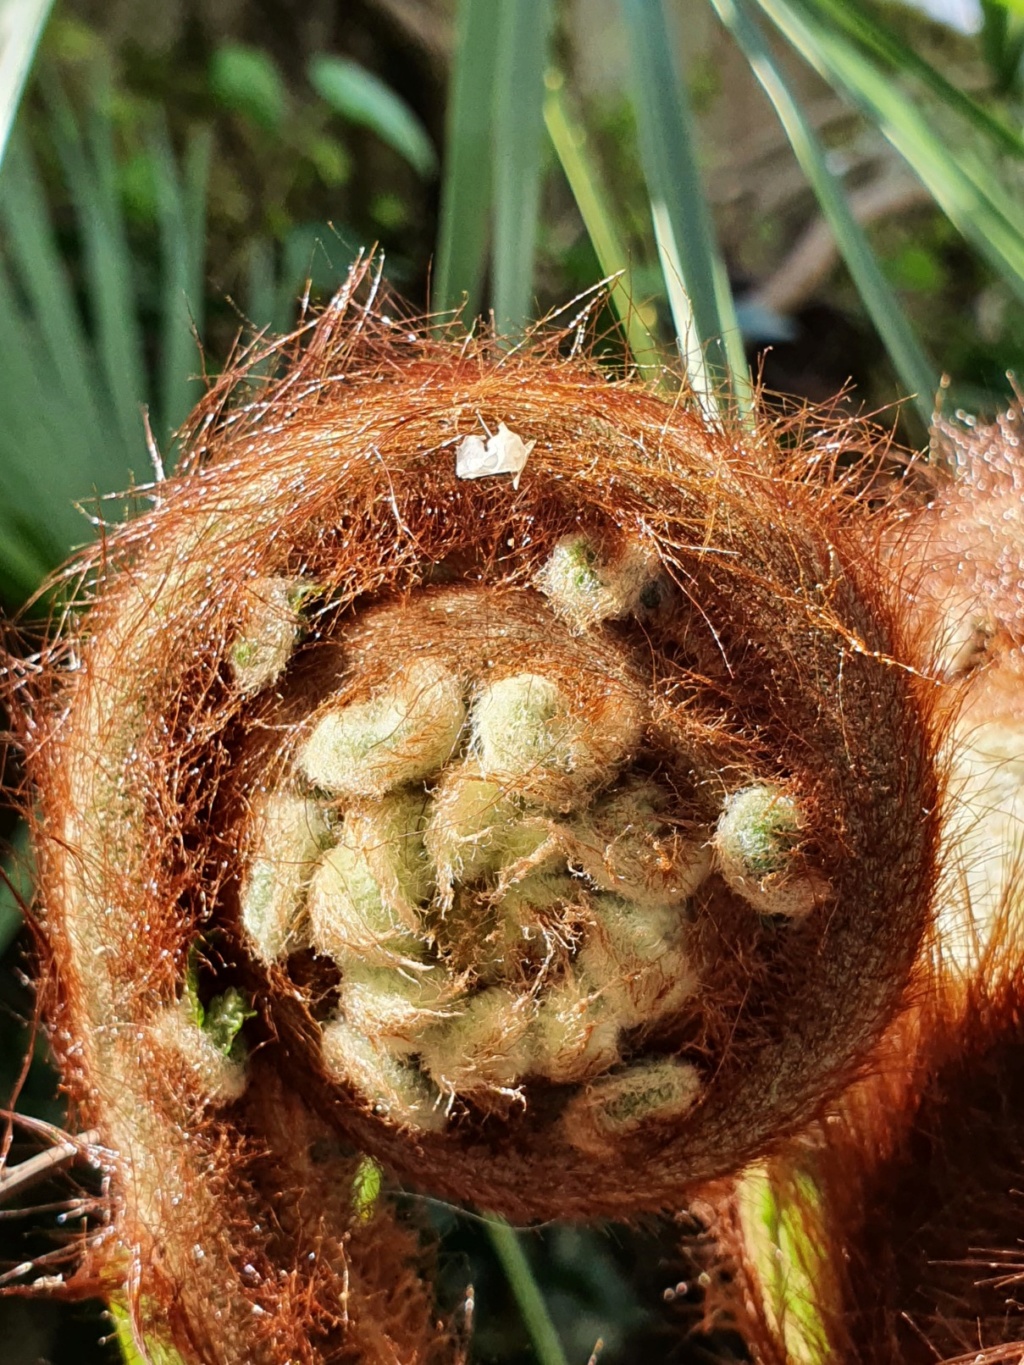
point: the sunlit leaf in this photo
(362, 98)
(21, 26)
(917, 375)
(247, 80)
(465, 221)
(569, 139)
(962, 184)
(874, 37)
(698, 287)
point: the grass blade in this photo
(41, 445)
(536, 1318)
(181, 210)
(518, 130)
(708, 331)
(965, 189)
(466, 186)
(363, 99)
(21, 26)
(91, 172)
(569, 139)
(37, 263)
(916, 373)
(882, 43)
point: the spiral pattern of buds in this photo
(560, 837)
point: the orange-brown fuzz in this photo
(772, 652)
(908, 1193)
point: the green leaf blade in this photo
(21, 27)
(363, 99)
(464, 231)
(961, 183)
(518, 132)
(570, 143)
(916, 372)
(695, 276)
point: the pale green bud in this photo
(218, 1075)
(586, 587)
(392, 1087)
(268, 633)
(611, 1108)
(626, 846)
(364, 898)
(475, 828)
(575, 1035)
(484, 1047)
(395, 1007)
(527, 736)
(755, 844)
(403, 733)
(291, 833)
(637, 959)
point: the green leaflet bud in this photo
(484, 1047)
(475, 827)
(527, 735)
(291, 833)
(575, 1035)
(395, 1007)
(364, 898)
(521, 723)
(657, 1091)
(404, 732)
(585, 587)
(390, 1086)
(755, 844)
(268, 632)
(625, 846)
(638, 961)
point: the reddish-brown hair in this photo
(781, 654)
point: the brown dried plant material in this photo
(448, 829)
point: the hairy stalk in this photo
(897, 1216)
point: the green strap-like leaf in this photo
(36, 262)
(181, 207)
(21, 26)
(518, 132)
(875, 38)
(569, 139)
(695, 275)
(917, 374)
(465, 224)
(90, 168)
(962, 184)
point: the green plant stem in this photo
(699, 292)
(21, 26)
(543, 1336)
(569, 140)
(917, 374)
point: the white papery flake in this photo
(503, 453)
